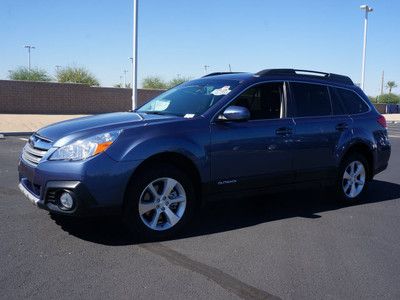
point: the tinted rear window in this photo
(337, 104)
(311, 99)
(352, 102)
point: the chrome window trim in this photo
(215, 116)
(336, 87)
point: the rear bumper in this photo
(382, 152)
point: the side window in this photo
(352, 102)
(337, 104)
(264, 101)
(311, 99)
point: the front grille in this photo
(32, 155)
(35, 149)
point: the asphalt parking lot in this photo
(298, 245)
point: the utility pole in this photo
(206, 69)
(29, 47)
(125, 71)
(367, 10)
(134, 54)
(382, 81)
(230, 69)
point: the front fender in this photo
(139, 145)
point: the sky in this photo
(179, 37)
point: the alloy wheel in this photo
(162, 204)
(353, 181)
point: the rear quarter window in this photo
(352, 102)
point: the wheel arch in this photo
(177, 159)
(363, 149)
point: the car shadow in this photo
(226, 215)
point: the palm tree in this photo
(391, 85)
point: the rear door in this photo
(255, 153)
(320, 123)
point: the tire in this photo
(147, 198)
(352, 181)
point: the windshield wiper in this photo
(150, 112)
(161, 113)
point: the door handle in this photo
(341, 126)
(283, 131)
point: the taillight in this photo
(382, 121)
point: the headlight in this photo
(83, 149)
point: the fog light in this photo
(66, 200)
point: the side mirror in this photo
(235, 113)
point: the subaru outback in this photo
(220, 136)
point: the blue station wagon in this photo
(221, 136)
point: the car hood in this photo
(66, 131)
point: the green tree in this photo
(389, 98)
(23, 73)
(373, 99)
(154, 82)
(177, 80)
(121, 86)
(76, 75)
(391, 85)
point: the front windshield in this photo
(191, 98)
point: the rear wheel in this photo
(353, 178)
(159, 202)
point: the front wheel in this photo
(159, 202)
(353, 178)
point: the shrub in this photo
(76, 75)
(154, 82)
(177, 80)
(389, 98)
(23, 73)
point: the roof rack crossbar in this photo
(298, 72)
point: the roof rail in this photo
(315, 74)
(220, 73)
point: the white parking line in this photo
(23, 139)
(394, 136)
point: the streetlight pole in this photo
(29, 47)
(125, 71)
(134, 54)
(367, 10)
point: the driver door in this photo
(255, 153)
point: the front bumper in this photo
(97, 185)
(84, 204)
(28, 194)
